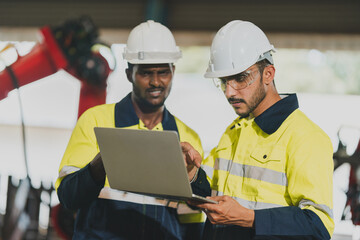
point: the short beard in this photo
(146, 106)
(254, 102)
(256, 99)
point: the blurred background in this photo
(318, 57)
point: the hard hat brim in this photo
(151, 57)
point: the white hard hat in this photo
(235, 47)
(151, 42)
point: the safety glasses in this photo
(237, 82)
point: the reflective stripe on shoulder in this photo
(249, 204)
(66, 170)
(112, 194)
(303, 203)
(253, 172)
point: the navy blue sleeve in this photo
(289, 223)
(201, 185)
(79, 189)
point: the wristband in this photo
(195, 176)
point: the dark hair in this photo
(262, 65)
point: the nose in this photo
(155, 79)
(229, 90)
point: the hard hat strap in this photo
(171, 66)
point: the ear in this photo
(268, 74)
(129, 75)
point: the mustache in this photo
(232, 100)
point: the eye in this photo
(145, 73)
(241, 77)
(164, 72)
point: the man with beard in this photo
(105, 213)
(272, 169)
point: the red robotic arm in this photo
(65, 47)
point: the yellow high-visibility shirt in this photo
(281, 158)
(83, 147)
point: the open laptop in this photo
(145, 162)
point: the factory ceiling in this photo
(199, 18)
(318, 16)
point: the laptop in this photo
(145, 162)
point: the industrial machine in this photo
(75, 47)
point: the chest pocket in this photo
(265, 165)
(265, 155)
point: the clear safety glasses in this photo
(237, 82)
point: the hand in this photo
(227, 211)
(192, 159)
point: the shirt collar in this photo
(125, 115)
(272, 118)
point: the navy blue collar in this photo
(125, 115)
(272, 118)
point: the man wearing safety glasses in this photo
(272, 169)
(103, 212)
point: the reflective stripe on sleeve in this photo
(261, 205)
(303, 203)
(253, 172)
(66, 170)
(112, 194)
(109, 193)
